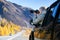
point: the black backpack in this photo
(49, 17)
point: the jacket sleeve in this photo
(39, 18)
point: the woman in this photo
(39, 16)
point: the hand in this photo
(32, 23)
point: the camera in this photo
(36, 11)
(32, 11)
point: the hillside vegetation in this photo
(8, 28)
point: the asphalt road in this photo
(19, 36)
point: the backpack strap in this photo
(54, 4)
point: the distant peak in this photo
(1, 0)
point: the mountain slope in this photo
(15, 13)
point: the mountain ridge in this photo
(15, 13)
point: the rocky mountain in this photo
(16, 13)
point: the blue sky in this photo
(34, 4)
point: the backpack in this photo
(52, 20)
